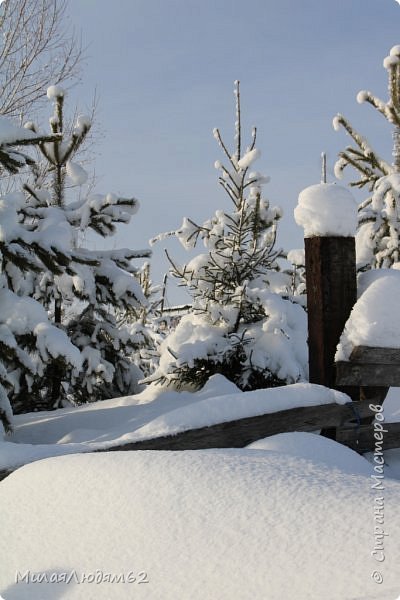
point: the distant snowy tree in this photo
(83, 297)
(243, 323)
(297, 274)
(146, 324)
(378, 236)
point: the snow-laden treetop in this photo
(326, 209)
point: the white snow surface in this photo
(209, 524)
(375, 318)
(276, 520)
(316, 448)
(152, 413)
(326, 209)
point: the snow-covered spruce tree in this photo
(84, 297)
(27, 339)
(377, 240)
(243, 324)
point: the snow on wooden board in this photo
(218, 524)
(375, 318)
(153, 413)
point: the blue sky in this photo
(164, 72)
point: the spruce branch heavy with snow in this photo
(378, 235)
(243, 323)
(12, 138)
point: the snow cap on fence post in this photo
(326, 209)
(328, 214)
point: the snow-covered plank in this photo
(375, 319)
(241, 432)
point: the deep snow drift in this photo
(291, 517)
(218, 525)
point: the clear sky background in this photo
(163, 71)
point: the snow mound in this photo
(221, 524)
(317, 449)
(375, 318)
(326, 209)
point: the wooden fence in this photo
(345, 418)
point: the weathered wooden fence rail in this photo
(346, 418)
(370, 366)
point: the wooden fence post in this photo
(328, 214)
(331, 294)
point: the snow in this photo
(240, 405)
(362, 96)
(53, 342)
(248, 158)
(54, 92)
(21, 316)
(395, 51)
(336, 121)
(326, 209)
(375, 318)
(155, 412)
(258, 179)
(77, 174)
(9, 132)
(317, 449)
(223, 524)
(365, 279)
(297, 257)
(54, 230)
(10, 228)
(391, 61)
